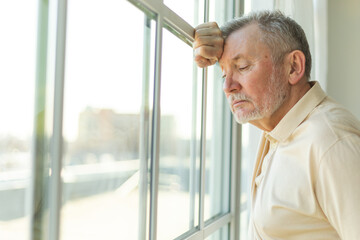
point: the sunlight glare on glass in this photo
(97, 56)
(17, 61)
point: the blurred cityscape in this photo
(104, 135)
(103, 157)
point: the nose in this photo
(231, 85)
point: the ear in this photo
(296, 62)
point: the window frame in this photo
(42, 155)
(165, 17)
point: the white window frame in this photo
(42, 154)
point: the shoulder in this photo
(335, 119)
(330, 126)
(337, 173)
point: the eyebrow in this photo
(237, 57)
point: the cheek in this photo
(259, 78)
(258, 87)
(254, 86)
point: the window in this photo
(17, 78)
(106, 95)
(130, 139)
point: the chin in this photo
(242, 122)
(242, 119)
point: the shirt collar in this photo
(298, 113)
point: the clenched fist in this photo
(208, 45)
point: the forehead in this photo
(244, 43)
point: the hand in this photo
(208, 45)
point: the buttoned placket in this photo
(269, 148)
(267, 159)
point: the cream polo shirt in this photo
(306, 181)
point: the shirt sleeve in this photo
(338, 186)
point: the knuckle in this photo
(213, 24)
(219, 40)
(201, 26)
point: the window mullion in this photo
(144, 131)
(40, 149)
(217, 224)
(236, 180)
(238, 9)
(203, 151)
(57, 141)
(178, 23)
(193, 150)
(168, 16)
(154, 182)
(203, 134)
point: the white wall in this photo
(344, 53)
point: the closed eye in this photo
(243, 68)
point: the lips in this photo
(236, 103)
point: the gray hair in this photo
(279, 32)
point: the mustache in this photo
(238, 97)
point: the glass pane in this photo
(218, 147)
(220, 11)
(191, 11)
(247, 6)
(106, 119)
(18, 29)
(179, 140)
(218, 164)
(220, 234)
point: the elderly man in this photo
(306, 180)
